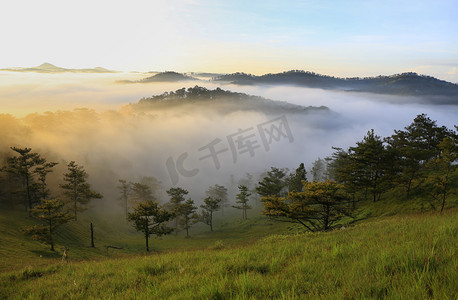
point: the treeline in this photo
(196, 93)
(420, 159)
(398, 84)
(23, 182)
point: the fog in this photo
(87, 118)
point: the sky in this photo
(340, 38)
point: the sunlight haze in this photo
(338, 38)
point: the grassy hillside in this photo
(18, 251)
(402, 257)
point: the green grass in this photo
(18, 251)
(399, 257)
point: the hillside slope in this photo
(409, 257)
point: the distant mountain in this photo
(168, 76)
(222, 100)
(50, 68)
(206, 75)
(408, 84)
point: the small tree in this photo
(40, 187)
(296, 179)
(317, 208)
(318, 170)
(414, 146)
(242, 199)
(273, 184)
(189, 217)
(124, 188)
(210, 205)
(141, 192)
(76, 188)
(219, 193)
(443, 171)
(150, 218)
(24, 166)
(49, 211)
(176, 204)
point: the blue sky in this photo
(343, 38)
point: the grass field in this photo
(401, 257)
(18, 251)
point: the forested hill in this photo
(218, 98)
(411, 84)
(167, 77)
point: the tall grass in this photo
(400, 257)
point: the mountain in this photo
(221, 100)
(50, 68)
(406, 84)
(168, 77)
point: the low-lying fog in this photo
(112, 141)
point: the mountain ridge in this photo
(406, 84)
(50, 68)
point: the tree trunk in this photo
(92, 236)
(75, 211)
(176, 226)
(445, 190)
(409, 183)
(186, 218)
(211, 220)
(75, 198)
(374, 193)
(326, 218)
(29, 198)
(146, 237)
(126, 208)
(50, 235)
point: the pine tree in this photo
(273, 184)
(150, 218)
(124, 188)
(219, 192)
(141, 192)
(51, 212)
(442, 178)
(76, 188)
(23, 166)
(40, 187)
(415, 146)
(318, 170)
(176, 204)
(189, 217)
(373, 163)
(209, 207)
(318, 207)
(242, 200)
(296, 179)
